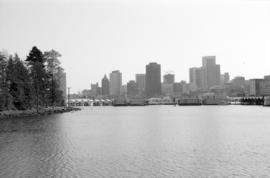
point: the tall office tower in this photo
(195, 78)
(185, 87)
(167, 89)
(177, 89)
(224, 78)
(132, 88)
(238, 81)
(94, 90)
(140, 80)
(260, 87)
(210, 72)
(256, 86)
(153, 80)
(105, 86)
(115, 83)
(123, 91)
(168, 78)
(167, 85)
(266, 86)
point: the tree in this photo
(3, 89)
(33, 83)
(53, 70)
(19, 83)
(38, 75)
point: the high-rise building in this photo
(140, 80)
(177, 89)
(224, 78)
(260, 87)
(123, 91)
(115, 83)
(210, 72)
(153, 80)
(94, 90)
(185, 87)
(105, 86)
(238, 86)
(266, 86)
(168, 78)
(195, 78)
(167, 85)
(238, 81)
(167, 89)
(256, 86)
(132, 88)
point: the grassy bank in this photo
(33, 112)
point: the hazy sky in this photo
(96, 37)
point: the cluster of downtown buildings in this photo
(203, 80)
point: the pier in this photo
(251, 100)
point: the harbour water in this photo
(150, 141)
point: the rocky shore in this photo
(33, 112)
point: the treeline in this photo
(33, 83)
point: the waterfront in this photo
(151, 141)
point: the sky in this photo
(97, 37)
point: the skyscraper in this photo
(210, 72)
(123, 91)
(177, 89)
(195, 78)
(167, 89)
(153, 80)
(105, 86)
(168, 78)
(167, 85)
(94, 90)
(140, 80)
(132, 88)
(256, 86)
(115, 83)
(238, 81)
(260, 87)
(224, 78)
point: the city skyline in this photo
(194, 82)
(204, 80)
(96, 37)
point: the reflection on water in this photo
(152, 141)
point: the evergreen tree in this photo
(3, 90)
(32, 84)
(20, 84)
(38, 75)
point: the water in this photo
(152, 141)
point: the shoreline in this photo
(33, 112)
